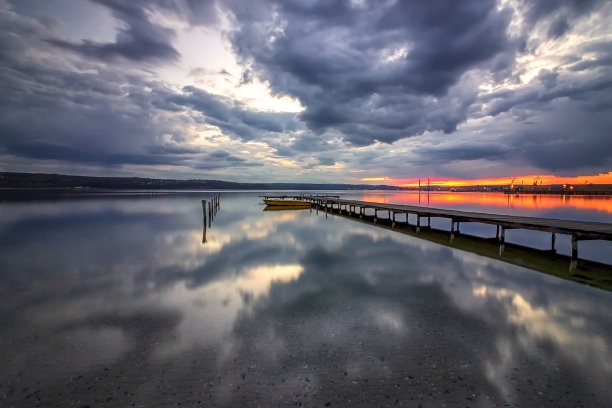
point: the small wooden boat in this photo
(286, 203)
(285, 208)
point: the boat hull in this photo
(287, 203)
(285, 208)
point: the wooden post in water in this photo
(375, 216)
(204, 221)
(418, 228)
(325, 207)
(428, 222)
(452, 231)
(502, 241)
(574, 246)
(552, 242)
(209, 215)
(497, 233)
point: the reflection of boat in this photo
(285, 207)
(286, 203)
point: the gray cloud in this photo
(220, 159)
(462, 152)
(90, 113)
(231, 117)
(332, 57)
(139, 40)
(366, 72)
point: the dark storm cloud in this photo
(231, 117)
(549, 89)
(83, 114)
(385, 71)
(557, 14)
(56, 107)
(463, 152)
(220, 159)
(332, 57)
(366, 72)
(139, 40)
(568, 140)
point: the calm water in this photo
(119, 302)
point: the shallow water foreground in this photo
(118, 302)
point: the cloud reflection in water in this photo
(283, 306)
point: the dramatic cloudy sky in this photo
(306, 90)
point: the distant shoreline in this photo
(81, 184)
(59, 181)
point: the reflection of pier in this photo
(578, 230)
(588, 272)
(213, 206)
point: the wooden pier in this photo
(578, 230)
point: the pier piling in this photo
(579, 230)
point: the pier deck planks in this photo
(579, 229)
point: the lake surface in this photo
(129, 301)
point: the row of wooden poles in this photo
(209, 211)
(352, 209)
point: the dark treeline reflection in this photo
(119, 302)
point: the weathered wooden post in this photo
(428, 222)
(204, 221)
(573, 265)
(574, 246)
(325, 206)
(375, 216)
(210, 214)
(552, 242)
(497, 233)
(452, 231)
(418, 227)
(502, 240)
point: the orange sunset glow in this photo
(499, 200)
(528, 179)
